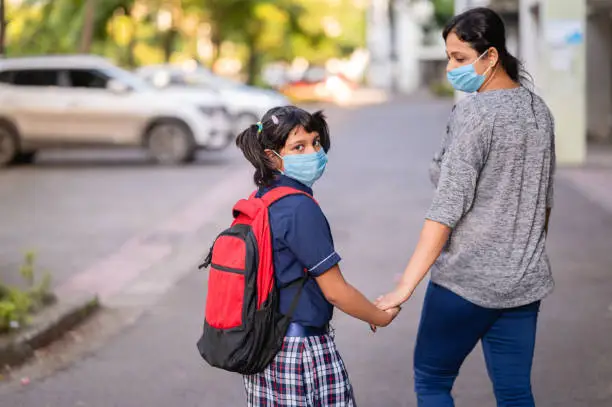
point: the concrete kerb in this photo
(47, 326)
(84, 293)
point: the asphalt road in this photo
(374, 193)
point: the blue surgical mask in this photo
(465, 78)
(305, 168)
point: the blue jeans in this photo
(449, 330)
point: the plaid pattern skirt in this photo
(307, 372)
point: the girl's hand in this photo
(391, 314)
(394, 299)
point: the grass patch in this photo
(442, 89)
(17, 305)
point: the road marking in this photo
(113, 274)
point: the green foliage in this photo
(16, 305)
(128, 30)
(443, 11)
(442, 89)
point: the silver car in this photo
(246, 104)
(74, 101)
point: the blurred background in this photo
(103, 102)
(237, 58)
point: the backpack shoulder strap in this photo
(279, 193)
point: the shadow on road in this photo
(117, 161)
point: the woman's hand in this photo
(395, 298)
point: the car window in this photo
(127, 78)
(82, 78)
(6, 77)
(35, 77)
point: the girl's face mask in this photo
(305, 168)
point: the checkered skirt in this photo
(307, 372)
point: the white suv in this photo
(76, 101)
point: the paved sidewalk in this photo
(375, 194)
(594, 178)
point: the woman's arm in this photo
(350, 301)
(433, 238)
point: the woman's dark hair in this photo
(483, 28)
(277, 123)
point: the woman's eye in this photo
(298, 148)
(460, 60)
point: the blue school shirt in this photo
(301, 239)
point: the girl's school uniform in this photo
(308, 371)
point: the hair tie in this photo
(259, 127)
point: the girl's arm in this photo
(433, 238)
(350, 301)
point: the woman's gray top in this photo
(494, 182)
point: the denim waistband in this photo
(301, 331)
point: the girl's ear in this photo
(274, 158)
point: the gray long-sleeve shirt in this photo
(494, 182)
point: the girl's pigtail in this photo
(249, 143)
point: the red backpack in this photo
(243, 327)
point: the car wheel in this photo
(171, 142)
(25, 158)
(9, 147)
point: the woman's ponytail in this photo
(515, 68)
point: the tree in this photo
(252, 23)
(88, 26)
(444, 10)
(2, 29)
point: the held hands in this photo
(394, 299)
(388, 317)
(391, 304)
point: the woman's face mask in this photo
(466, 79)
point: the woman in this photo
(485, 232)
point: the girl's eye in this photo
(299, 147)
(460, 60)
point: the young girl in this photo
(287, 148)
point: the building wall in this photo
(403, 74)
(599, 75)
(562, 75)
(379, 71)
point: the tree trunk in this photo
(252, 61)
(169, 37)
(216, 41)
(88, 26)
(253, 32)
(131, 61)
(2, 30)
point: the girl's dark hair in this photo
(483, 28)
(277, 123)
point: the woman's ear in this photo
(275, 159)
(493, 57)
